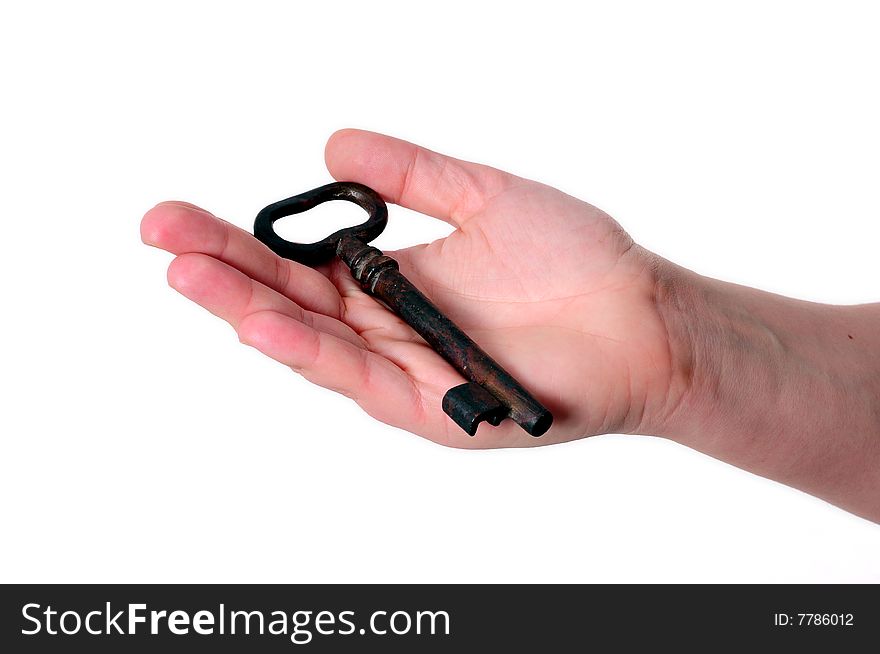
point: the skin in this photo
(609, 336)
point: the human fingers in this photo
(182, 228)
(231, 295)
(380, 387)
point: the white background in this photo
(141, 442)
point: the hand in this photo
(549, 286)
(608, 336)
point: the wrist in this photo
(784, 388)
(727, 362)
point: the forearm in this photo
(787, 389)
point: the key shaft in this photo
(380, 276)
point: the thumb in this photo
(412, 176)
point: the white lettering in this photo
(24, 613)
(134, 618)
(203, 623)
(78, 622)
(155, 616)
(178, 622)
(112, 623)
(89, 623)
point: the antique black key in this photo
(492, 394)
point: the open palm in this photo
(551, 287)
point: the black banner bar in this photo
(429, 618)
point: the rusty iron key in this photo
(492, 394)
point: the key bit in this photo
(492, 394)
(469, 404)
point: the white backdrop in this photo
(142, 443)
